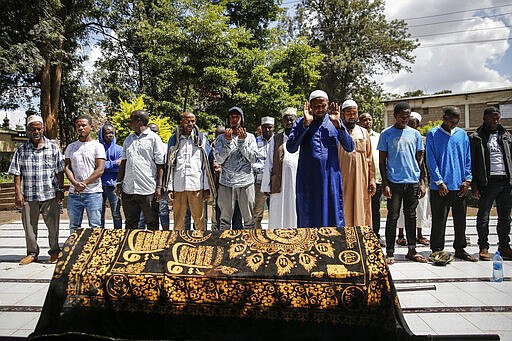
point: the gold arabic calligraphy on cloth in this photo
(315, 268)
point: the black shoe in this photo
(505, 252)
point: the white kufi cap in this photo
(267, 120)
(415, 115)
(349, 103)
(317, 94)
(34, 119)
(289, 111)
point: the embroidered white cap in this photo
(415, 115)
(317, 94)
(289, 111)
(267, 120)
(348, 103)
(34, 119)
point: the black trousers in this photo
(376, 210)
(440, 206)
(408, 194)
(133, 204)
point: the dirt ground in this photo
(9, 216)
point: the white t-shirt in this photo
(83, 157)
(496, 156)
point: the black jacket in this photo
(480, 157)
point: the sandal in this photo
(416, 258)
(390, 260)
(401, 241)
(423, 241)
(465, 256)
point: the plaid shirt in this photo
(38, 169)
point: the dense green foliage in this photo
(198, 55)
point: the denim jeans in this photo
(91, 202)
(109, 193)
(408, 194)
(501, 191)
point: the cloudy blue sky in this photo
(465, 45)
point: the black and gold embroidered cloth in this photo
(314, 283)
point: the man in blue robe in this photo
(319, 186)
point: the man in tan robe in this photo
(357, 170)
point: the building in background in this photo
(470, 103)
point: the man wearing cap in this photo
(262, 141)
(140, 173)
(366, 121)
(423, 208)
(236, 151)
(38, 164)
(449, 165)
(85, 163)
(279, 176)
(319, 186)
(237, 223)
(357, 170)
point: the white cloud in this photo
(442, 65)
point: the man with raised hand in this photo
(236, 151)
(319, 184)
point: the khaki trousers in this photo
(259, 205)
(192, 199)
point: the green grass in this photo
(5, 177)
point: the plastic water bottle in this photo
(497, 268)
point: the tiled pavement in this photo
(456, 299)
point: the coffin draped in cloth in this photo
(308, 283)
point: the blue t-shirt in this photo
(401, 146)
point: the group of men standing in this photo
(304, 174)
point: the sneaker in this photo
(484, 254)
(505, 252)
(28, 259)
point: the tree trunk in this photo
(45, 98)
(51, 77)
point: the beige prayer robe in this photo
(357, 170)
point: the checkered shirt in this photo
(38, 169)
